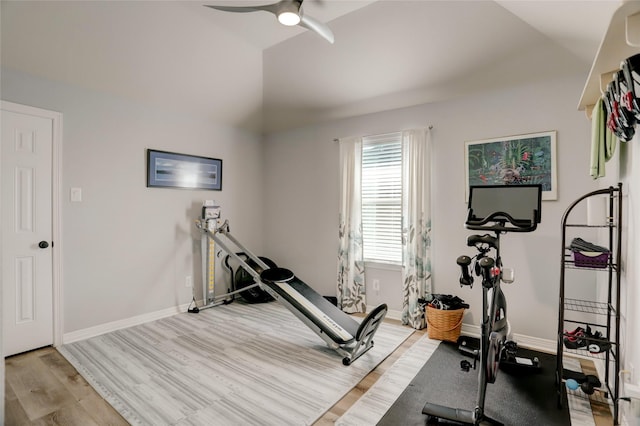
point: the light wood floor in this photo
(42, 388)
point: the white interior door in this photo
(27, 252)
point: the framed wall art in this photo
(513, 160)
(173, 170)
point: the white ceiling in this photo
(247, 70)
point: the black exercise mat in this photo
(515, 399)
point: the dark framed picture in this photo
(173, 170)
(513, 160)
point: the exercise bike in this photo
(499, 209)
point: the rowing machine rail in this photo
(340, 331)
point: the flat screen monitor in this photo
(517, 206)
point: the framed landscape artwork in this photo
(513, 160)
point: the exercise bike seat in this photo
(487, 239)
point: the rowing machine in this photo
(340, 331)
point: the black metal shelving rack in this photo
(607, 313)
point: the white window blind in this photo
(382, 198)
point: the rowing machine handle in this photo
(465, 278)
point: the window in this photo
(382, 198)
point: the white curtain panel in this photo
(416, 224)
(351, 284)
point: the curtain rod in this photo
(338, 140)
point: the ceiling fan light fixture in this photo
(288, 12)
(288, 18)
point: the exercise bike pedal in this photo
(510, 360)
(466, 365)
(531, 363)
(469, 346)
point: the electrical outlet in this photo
(628, 374)
(188, 281)
(376, 286)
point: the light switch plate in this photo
(76, 195)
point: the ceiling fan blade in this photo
(318, 27)
(243, 9)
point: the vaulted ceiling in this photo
(247, 70)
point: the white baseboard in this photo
(87, 333)
(625, 422)
(627, 415)
(391, 314)
(543, 345)
(470, 330)
(630, 410)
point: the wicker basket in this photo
(444, 324)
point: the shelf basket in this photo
(444, 324)
(591, 259)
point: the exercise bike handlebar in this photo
(502, 222)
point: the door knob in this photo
(43, 244)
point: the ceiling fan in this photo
(288, 12)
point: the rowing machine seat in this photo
(274, 275)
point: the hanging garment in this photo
(603, 141)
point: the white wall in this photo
(624, 168)
(301, 176)
(2, 386)
(127, 248)
(131, 247)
